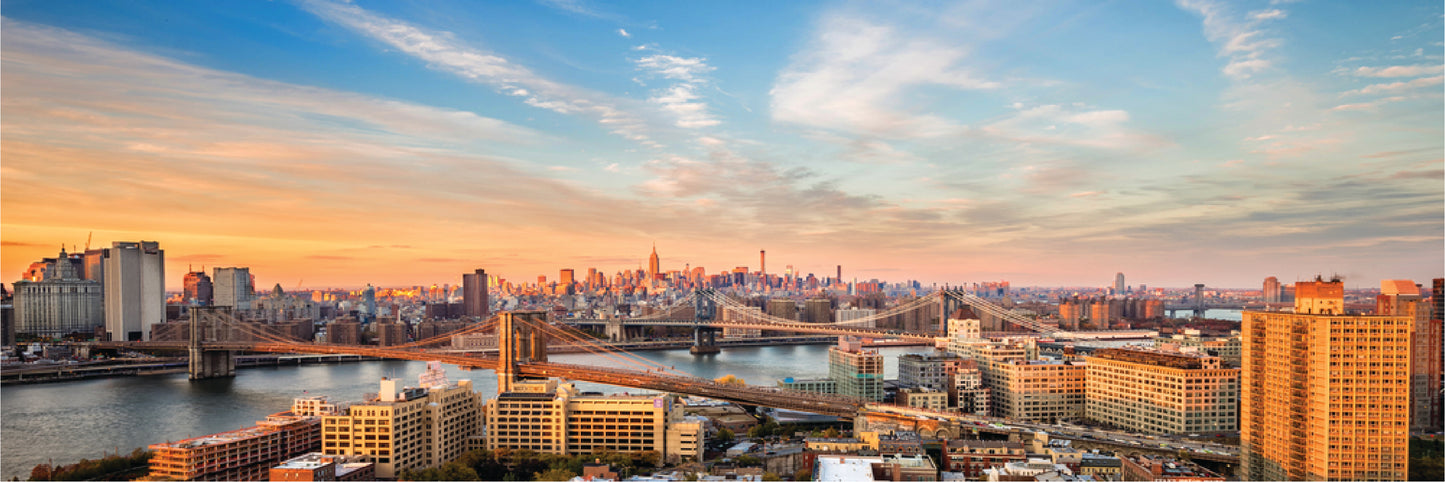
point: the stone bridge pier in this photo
(205, 364)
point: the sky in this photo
(327, 143)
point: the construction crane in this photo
(87, 240)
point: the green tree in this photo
(803, 474)
(724, 434)
(748, 461)
(831, 433)
(1426, 462)
(554, 474)
(771, 476)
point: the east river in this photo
(64, 422)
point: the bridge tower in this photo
(946, 304)
(704, 337)
(204, 364)
(518, 341)
(1199, 300)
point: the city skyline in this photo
(401, 144)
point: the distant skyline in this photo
(403, 143)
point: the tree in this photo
(831, 433)
(724, 434)
(771, 476)
(803, 474)
(554, 474)
(748, 461)
(730, 380)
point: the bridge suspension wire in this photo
(1001, 312)
(739, 309)
(482, 326)
(251, 329)
(579, 339)
(684, 302)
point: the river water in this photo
(65, 422)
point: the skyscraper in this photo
(135, 289)
(1271, 290)
(1325, 393)
(232, 287)
(566, 277)
(1119, 283)
(58, 304)
(1402, 298)
(197, 289)
(654, 265)
(475, 295)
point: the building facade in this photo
(857, 371)
(932, 371)
(244, 454)
(549, 417)
(232, 287)
(1157, 391)
(406, 429)
(135, 289)
(60, 302)
(475, 296)
(1326, 393)
(1040, 390)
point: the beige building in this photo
(1161, 391)
(59, 304)
(1226, 347)
(1326, 394)
(406, 428)
(1039, 390)
(925, 398)
(549, 417)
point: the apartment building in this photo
(403, 428)
(1161, 391)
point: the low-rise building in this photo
(1031, 469)
(317, 466)
(1154, 467)
(244, 454)
(549, 417)
(855, 468)
(814, 385)
(845, 445)
(1102, 467)
(925, 398)
(972, 456)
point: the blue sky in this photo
(1058, 143)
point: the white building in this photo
(59, 304)
(135, 289)
(232, 287)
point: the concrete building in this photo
(967, 392)
(818, 310)
(925, 398)
(1119, 283)
(747, 314)
(858, 371)
(60, 302)
(933, 371)
(344, 331)
(1402, 298)
(815, 385)
(1159, 391)
(549, 417)
(135, 289)
(233, 287)
(244, 454)
(849, 315)
(390, 333)
(1326, 393)
(783, 308)
(475, 296)
(1040, 390)
(1272, 291)
(407, 428)
(1157, 468)
(197, 289)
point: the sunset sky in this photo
(334, 144)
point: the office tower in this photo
(1041, 390)
(763, 263)
(1160, 391)
(840, 273)
(547, 417)
(94, 261)
(197, 289)
(818, 310)
(368, 302)
(1325, 393)
(1271, 290)
(858, 372)
(1402, 298)
(135, 289)
(406, 429)
(654, 265)
(232, 287)
(475, 295)
(60, 303)
(1119, 283)
(566, 277)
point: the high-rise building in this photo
(858, 372)
(59, 303)
(197, 289)
(851, 314)
(1160, 391)
(935, 371)
(232, 287)
(566, 277)
(818, 310)
(654, 265)
(407, 428)
(783, 308)
(474, 294)
(1402, 298)
(1119, 283)
(1271, 290)
(135, 289)
(1325, 393)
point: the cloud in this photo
(19, 244)
(1398, 71)
(1064, 125)
(854, 74)
(329, 257)
(1367, 105)
(681, 98)
(444, 52)
(612, 168)
(1397, 86)
(623, 32)
(1242, 42)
